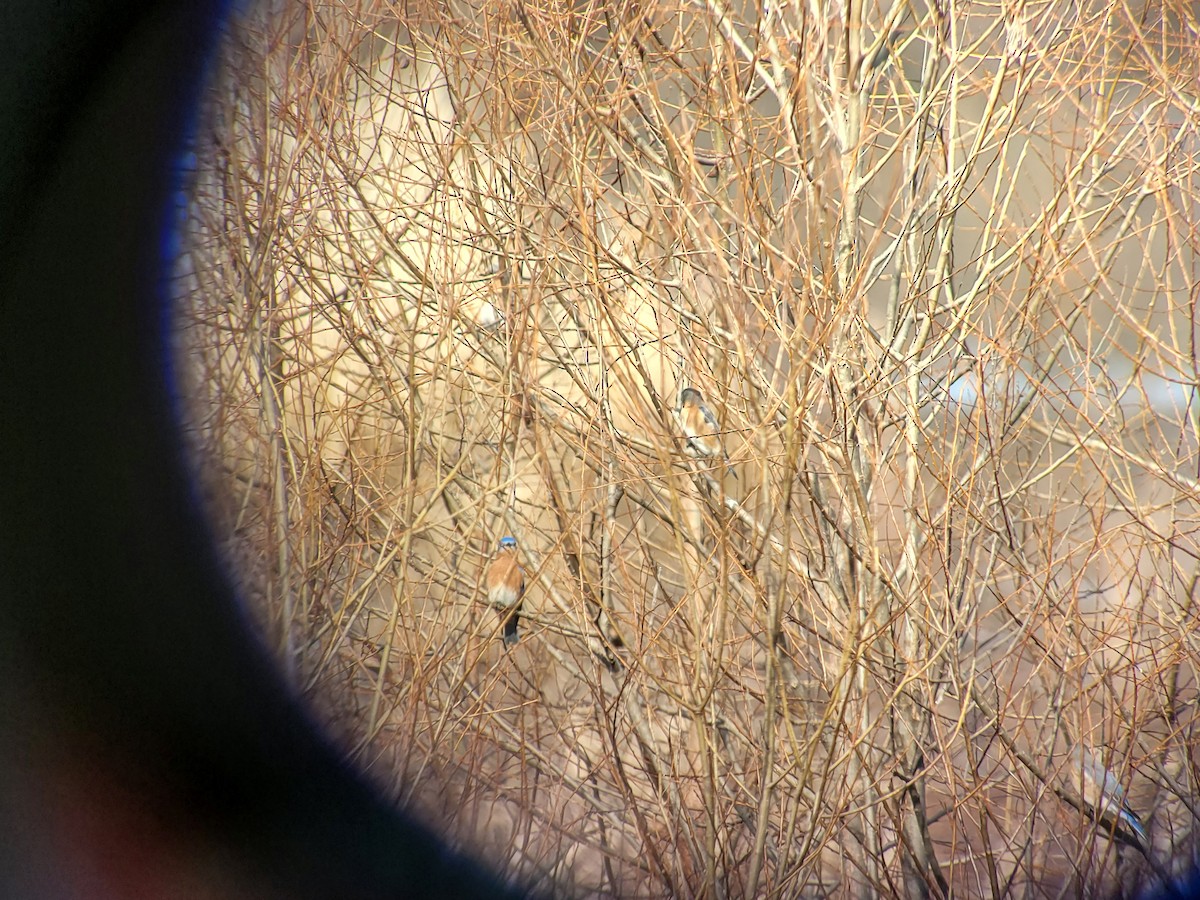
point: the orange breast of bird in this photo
(505, 581)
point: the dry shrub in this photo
(935, 270)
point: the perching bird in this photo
(506, 586)
(1101, 791)
(699, 425)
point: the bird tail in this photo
(1130, 820)
(510, 628)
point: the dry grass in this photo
(448, 267)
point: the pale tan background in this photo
(448, 267)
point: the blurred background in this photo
(445, 270)
(307, 306)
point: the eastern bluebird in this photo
(506, 586)
(699, 425)
(1102, 791)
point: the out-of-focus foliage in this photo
(933, 269)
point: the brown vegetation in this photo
(933, 267)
